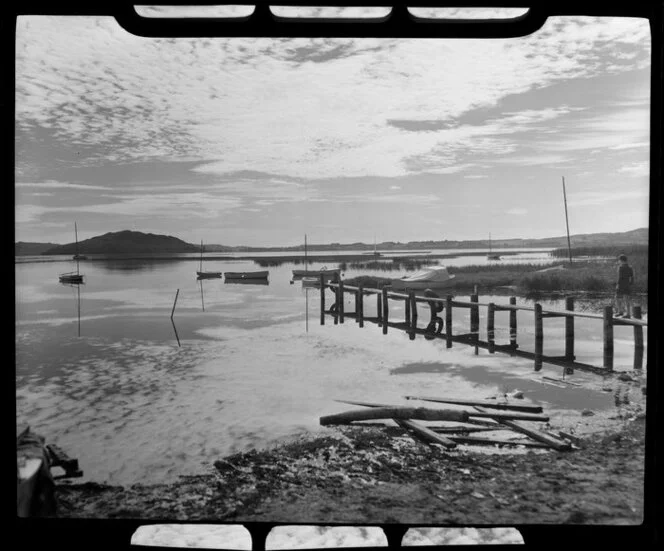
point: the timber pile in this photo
(483, 417)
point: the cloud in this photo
(517, 211)
(594, 198)
(636, 170)
(50, 184)
(323, 103)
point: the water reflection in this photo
(246, 281)
(135, 264)
(78, 301)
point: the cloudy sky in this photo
(259, 141)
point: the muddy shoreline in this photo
(373, 474)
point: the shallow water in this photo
(253, 365)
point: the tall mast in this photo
(76, 237)
(201, 270)
(305, 251)
(569, 246)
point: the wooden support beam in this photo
(425, 434)
(638, 340)
(413, 314)
(395, 413)
(537, 435)
(539, 337)
(569, 330)
(608, 338)
(475, 321)
(360, 304)
(484, 403)
(321, 282)
(341, 302)
(513, 327)
(379, 308)
(407, 305)
(490, 330)
(448, 320)
(386, 311)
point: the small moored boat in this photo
(200, 274)
(73, 278)
(247, 275)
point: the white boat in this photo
(206, 275)
(434, 277)
(76, 277)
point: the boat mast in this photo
(305, 251)
(76, 237)
(569, 246)
(201, 269)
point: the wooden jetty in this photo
(438, 328)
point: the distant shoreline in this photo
(92, 257)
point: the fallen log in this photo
(535, 434)
(485, 403)
(394, 413)
(425, 434)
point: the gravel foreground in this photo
(369, 474)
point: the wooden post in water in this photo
(385, 310)
(175, 302)
(513, 343)
(608, 338)
(569, 331)
(475, 321)
(407, 310)
(379, 308)
(638, 339)
(336, 304)
(322, 299)
(341, 301)
(360, 312)
(539, 336)
(448, 321)
(490, 322)
(356, 296)
(413, 314)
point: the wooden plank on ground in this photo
(509, 415)
(494, 441)
(484, 403)
(425, 434)
(561, 381)
(533, 433)
(394, 413)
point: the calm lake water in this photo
(253, 365)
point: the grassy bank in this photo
(592, 276)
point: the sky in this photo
(259, 141)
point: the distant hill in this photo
(126, 242)
(28, 249)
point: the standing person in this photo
(624, 287)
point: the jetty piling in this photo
(566, 360)
(638, 339)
